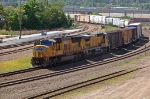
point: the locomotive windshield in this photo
(45, 42)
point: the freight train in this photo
(49, 52)
(103, 20)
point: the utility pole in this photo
(20, 20)
(109, 7)
(73, 6)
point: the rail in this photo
(82, 67)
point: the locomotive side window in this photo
(37, 43)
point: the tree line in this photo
(34, 15)
(141, 4)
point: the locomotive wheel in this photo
(79, 56)
(50, 63)
(82, 56)
(75, 57)
(54, 61)
(93, 52)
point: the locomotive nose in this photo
(39, 54)
(39, 51)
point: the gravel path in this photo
(15, 48)
(16, 55)
(138, 87)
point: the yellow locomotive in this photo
(52, 51)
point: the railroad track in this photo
(18, 72)
(82, 67)
(84, 28)
(53, 93)
(16, 51)
(28, 48)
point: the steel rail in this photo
(82, 67)
(53, 93)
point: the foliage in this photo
(31, 11)
(35, 15)
(11, 18)
(4, 32)
(110, 24)
(108, 28)
(141, 4)
(95, 13)
(1, 9)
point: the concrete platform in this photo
(34, 37)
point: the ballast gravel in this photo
(40, 86)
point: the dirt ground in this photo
(138, 87)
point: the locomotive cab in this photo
(41, 53)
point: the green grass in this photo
(109, 29)
(14, 65)
(77, 26)
(4, 32)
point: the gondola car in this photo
(115, 39)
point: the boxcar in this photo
(100, 19)
(139, 28)
(85, 18)
(116, 21)
(109, 20)
(91, 18)
(103, 18)
(121, 23)
(77, 17)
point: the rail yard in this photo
(68, 76)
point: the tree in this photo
(1, 16)
(11, 18)
(1, 9)
(32, 19)
(53, 15)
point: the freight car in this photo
(52, 51)
(97, 19)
